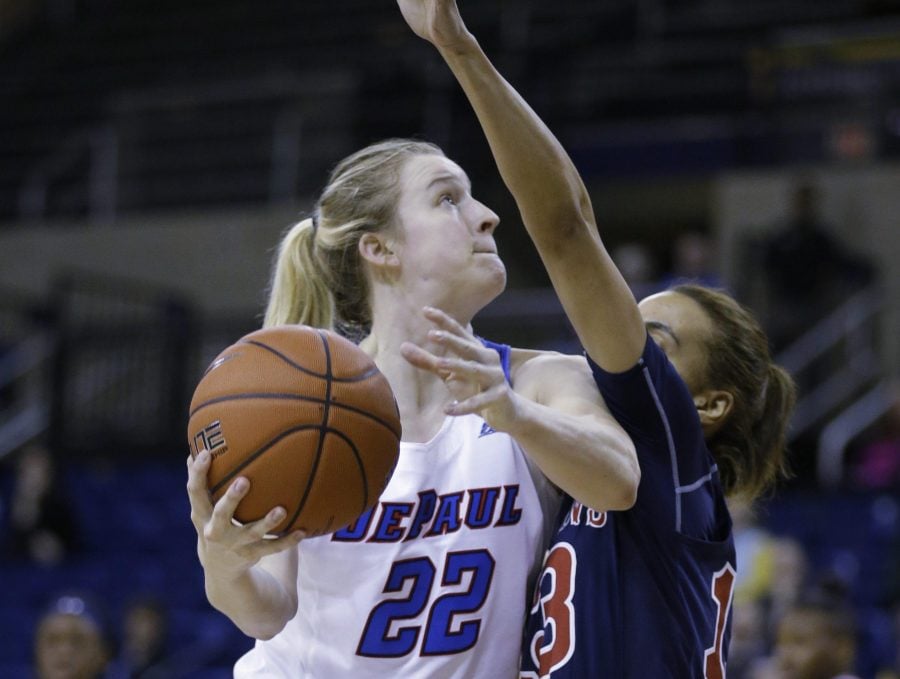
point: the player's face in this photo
(446, 236)
(68, 647)
(681, 328)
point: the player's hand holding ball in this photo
(223, 544)
(294, 432)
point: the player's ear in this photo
(375, 249)
(713, 406)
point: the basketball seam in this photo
(322, 430)
(356, 378)
(327, 430)
(287, 397)
(256, 454)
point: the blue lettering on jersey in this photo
(357, 530)
(447, 519)
(486, 429)
(481, 507)
(432, 515)
(424, 513)
(511, 515)
(388, 529)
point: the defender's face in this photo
(682, 329)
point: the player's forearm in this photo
(555, 209)
(255, 602)
(595, 465)
(533, 164)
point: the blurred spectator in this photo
(71, 640)
(816, 637)
(749, 638)
(755, 550)
(771, 575)
(763, 668)
(41, 527)
(8, 388)
(693, 261)
(790, 569)
(896, 670)
(892, 659)
(808, 270)
(144, 644)
(877, 465)
(638, 267)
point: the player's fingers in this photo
(463, 346)
(464, 370)
(198, 492)
(265, 525)
(419, 357)
(223, 512)
(474, 404)
(269, 547)
(445, 322)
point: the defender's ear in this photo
(714, 407)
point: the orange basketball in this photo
(307, 417)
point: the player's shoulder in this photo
(526, 361)
(537, 359)
(543, 375)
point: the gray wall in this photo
(862, 205)
(220, 260)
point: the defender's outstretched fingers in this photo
(462, 346)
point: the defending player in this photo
(644, 592)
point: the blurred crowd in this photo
(794, 621)
(75, 635)
(75, 638)
(792, 618)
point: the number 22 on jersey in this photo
(385, 634)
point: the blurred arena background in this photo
(151, 152)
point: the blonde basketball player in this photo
(434, 581)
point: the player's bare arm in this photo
(592, 459)
(248, 577)
(551, 197)
(552, 408)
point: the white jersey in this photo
(434, 581)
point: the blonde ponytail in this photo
(319, 278)
(298, 292)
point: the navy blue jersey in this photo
(643, 593)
